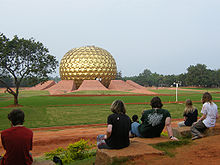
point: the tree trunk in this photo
(15, 99)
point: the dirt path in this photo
(47, 139)
(202, 151)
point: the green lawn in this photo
(204, 89)
(43, 116)
(26, 93)
(42, 110)
(36, 101)
(169, 91)
(97, 92)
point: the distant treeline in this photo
(197, 75)
(26, 82)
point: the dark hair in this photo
(134, 118)
(156, 102)
(207, 97)
(118, 107)
(16, 116)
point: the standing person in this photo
(17, 141)
(154, 121)
(190, 114)
(208, 119)
(119, 125)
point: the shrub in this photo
(76, 151)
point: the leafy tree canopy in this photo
(24, 59)
(197, 75)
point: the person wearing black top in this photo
(190, 114)
(119, 125)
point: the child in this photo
(208, 119)
(135, 123)
(135, 118)
(190, 114)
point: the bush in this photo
(76, 151)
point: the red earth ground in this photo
(202, 151)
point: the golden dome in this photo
(88, 63)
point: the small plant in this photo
(76, 151)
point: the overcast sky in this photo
(165, 36)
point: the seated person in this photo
(17, 141)
(154, 121)
(190, 114)
(209, 115)
(119, 125)
(134, 122)
(135, 118)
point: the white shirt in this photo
(211, 111)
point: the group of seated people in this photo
(120, 127)
(17, 140)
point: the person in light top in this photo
(208, 119)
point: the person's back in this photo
(120, 131)
(118, 128)
(153, 122)
(17, 141)
(211, 111)
(190, 114)
(191, 117)
(209, 115)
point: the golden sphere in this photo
(88, 63)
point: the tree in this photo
(218, 77)
(24, 59)
(168, 80)
(198, 75)
(145, 78)
(182, 78)
(118, 75)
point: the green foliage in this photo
(197, 75)
(87, 161)
(76, 151)
(24, 60)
